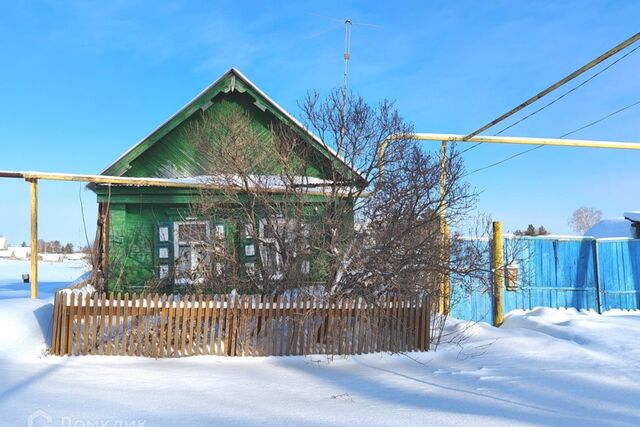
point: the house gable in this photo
(166, 152)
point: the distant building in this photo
(4, 243)
(51, 257)
(76, 256)
(626, 226)
(15, 252)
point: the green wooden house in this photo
(142, 230)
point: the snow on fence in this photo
(233, 325)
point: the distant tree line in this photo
(581, 220)
(531, 230)
(53, 246)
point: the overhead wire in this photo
(595, 122)
(601, 58)
(556, 85)
(601, 119)
(568, 92)
(556, 99)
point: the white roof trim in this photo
(262, 180)
(268, 182)
(258, 90)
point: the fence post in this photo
(498, 274)
(596, 267)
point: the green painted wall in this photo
(174, 156)
(133, 226)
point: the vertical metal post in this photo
(445, 297)
(33, 276)
(498, 275)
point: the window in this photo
(249, 250)
(164, 271)
(219, 231)
(187, 232)
(192, 259)
(163, 234)
(306, 267)
(250, 268)
(163, 253)
(270, 250)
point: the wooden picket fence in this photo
(232, 325)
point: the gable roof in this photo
(232, 80)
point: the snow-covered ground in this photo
(550, 367)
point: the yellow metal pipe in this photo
(143, 182)
(445, 297)
(33, 275)
(556, 142)
(498, 274)
(103, 179)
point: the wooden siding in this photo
(174, 155)
(131, 241)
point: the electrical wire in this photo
(556, 99)
(503, 160)
(568, 92)
(601, 119)
(595, 122)
(628, 42)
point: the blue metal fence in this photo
(579, 272)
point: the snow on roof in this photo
(632, 216)
(265, 182)
(611, 227)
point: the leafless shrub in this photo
(297, 207)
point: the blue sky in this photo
(83, 81)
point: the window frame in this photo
(191, 244)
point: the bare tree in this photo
(297, 207)
(583, 219)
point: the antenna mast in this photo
(347, 53)
(347, 57)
